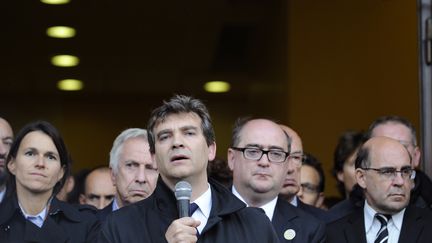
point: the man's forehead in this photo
(388, 152)
(393, 130)
(264, 133)
(178, 120)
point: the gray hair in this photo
(118, 144)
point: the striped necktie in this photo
(382, 235)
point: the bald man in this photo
(385, 174)
(6, 139)
(99, 190)
(291, 184)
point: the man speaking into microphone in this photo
(182, 142)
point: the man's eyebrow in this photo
(163, 131)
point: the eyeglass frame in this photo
(299, 160)
(381, 171)
(266, 152)
(310, 188)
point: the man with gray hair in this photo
(133, 172)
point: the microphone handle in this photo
(183, 207)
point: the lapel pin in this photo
(289, 234)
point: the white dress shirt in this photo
(37, 219)
(372, 225)
(204, 203)
(268, 208)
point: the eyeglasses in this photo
(297, 158)
(273, 155)
(309, 188)
(391, 173)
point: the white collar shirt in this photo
(268, 208)
(37, 219)
(204, 203)
(372, 224)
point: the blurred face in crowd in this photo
(309, 187)
(386, 180)
(347, 175)
(402, 134)
(6, 139)
(99, 189)
(259, 180)
(181, 150)
(136, 175)
(37, 166)
(291, 184)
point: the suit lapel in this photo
(411, 225)
(355, 229)
(282, 219)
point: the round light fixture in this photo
(64, 60)
(61, 32)
(70, 85)
(55, 2)
(217, 86)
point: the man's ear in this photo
(340, 176)
(320, 200)
(212, 151)
(113, 177)
(82, 199)
(416, 158)
(230, 157)
(360, 177)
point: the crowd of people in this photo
(267, 189)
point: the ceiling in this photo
(145, 47)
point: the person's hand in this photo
(182, 230)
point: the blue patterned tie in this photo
(192, 208)
(382, 235)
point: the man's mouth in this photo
(178, 158)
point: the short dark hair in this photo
(242, 121)
(313, 162)
(363, 158)
(176, 105)
(48, 129)
(394, 119)
(348, 143)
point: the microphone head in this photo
(183, 190)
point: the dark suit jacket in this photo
(147, 220)
(314, 211)
(64, 223)
(307, 228)
(104, 212)
(416, 227)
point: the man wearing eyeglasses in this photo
(312, 181)
(403, 131)
(258, 157)
(291, 184)
(384, 172)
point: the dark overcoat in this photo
(147, 220)
(64, 223)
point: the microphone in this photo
(183, 192)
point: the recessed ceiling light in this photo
(217, 86)
(64, 60)
(55, 1)
(70, 85)
(61, 32)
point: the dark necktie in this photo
(192, 208)
(382, 235)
